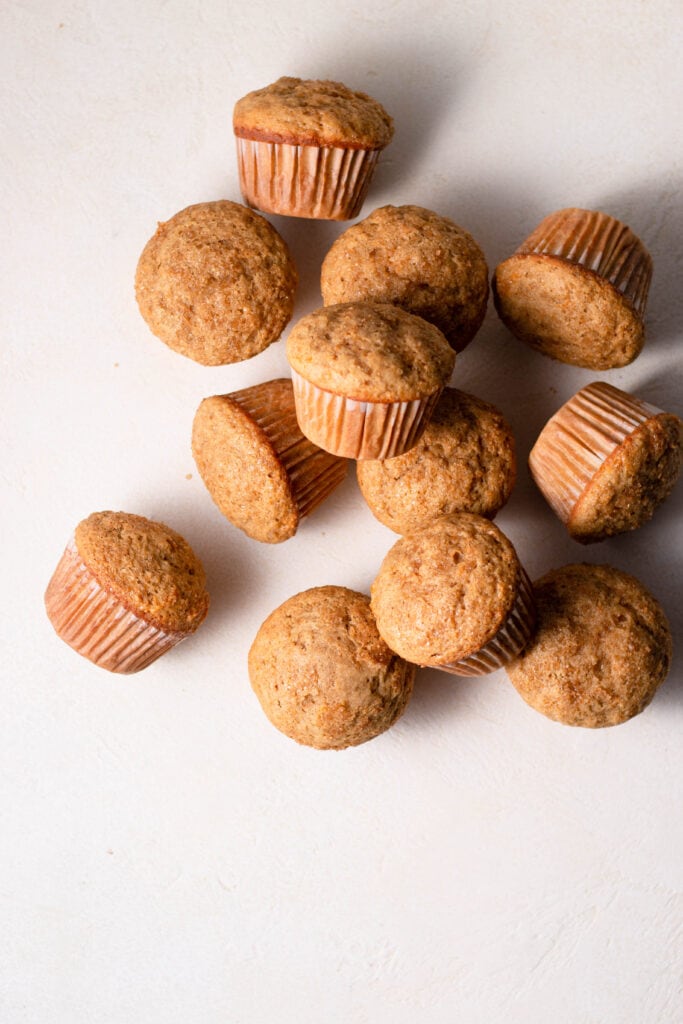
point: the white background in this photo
(167, 856)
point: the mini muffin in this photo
(416, 259)
(464, 462)
(576, 290)
(308, 148)
(601, 648)
(258, 467)
(216, 283)
(452, 595)
(366, 377)
(322, 673)
(606, 460)
(125, 591)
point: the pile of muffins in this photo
(404, 290)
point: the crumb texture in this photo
(322, 673)
(149, 567)
(416, 259)
(309, 112)
(601, 649)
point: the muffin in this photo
(464, 462)
(576, 290)
(606, 460)
(452, 595)
(601, 648)
(416, 259)
(322, 673)
(125, 591)
(258, 467)
(308, 148)
(366, 377)
(216, 283)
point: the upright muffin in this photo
(601, 648)
(216, 283)
(453, 595)
(322, 673)
(606, 460)
(576, 289)
(416, 259)
(464, 462)
(125, 591)
(258, 467)
(366, 377)
(308, 148)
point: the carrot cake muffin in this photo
(322, 673)
(601, 647)
(416, 259)
(452, 595)
(308, 148)
(606, 460)
(258, 467)
(216, 283)
(464, 462)
(576, 289)
(366, 377)
(125, 591)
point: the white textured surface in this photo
(166, 855)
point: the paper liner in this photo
(599, 243)
(360, 430)
(326, 183)
(509, 641)
(97, 624)
(313, 473)
(575, 442)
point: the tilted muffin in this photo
(464, 462)
(322, 673)
(576, 289)
(366, 377)
(416, 259)
(216, 283)
(308, 148)
(453, 595)
(125, 591)
(601, 648)
(606, 460)
(258, 467)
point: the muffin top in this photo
(316, 113)
(601, 648)
(147, 566)
(370, 352)
(216, 283)
(464, 462)
(323, 674)
(444, 590)
(416, 259)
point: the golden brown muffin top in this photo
(216, 283)
(416, 259)
(444, 590)
(464, 462)
(601, 648)
(149, 567)
(323, 674)
(370, 352)
(314, 113)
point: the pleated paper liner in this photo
(599, 243)
(325, 183)
(577, 440)
(357, 429)
(510, 640)
(97, 624)
(312, 473)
